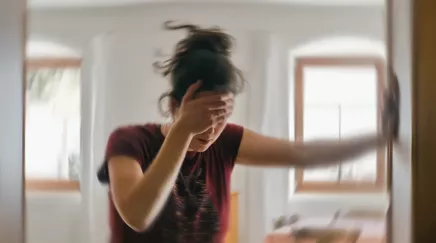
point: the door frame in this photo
(423, 120)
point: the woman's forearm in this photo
(329, 152)
(149, 196)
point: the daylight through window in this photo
(336, 98)
(52, 138)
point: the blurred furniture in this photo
(330, 230)
(284, 221)
(326, 235)
(363, 214)
(233, 233)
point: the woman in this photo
(170, 183)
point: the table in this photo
(372, 230)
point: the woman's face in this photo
(201, 142)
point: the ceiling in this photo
(114, 3)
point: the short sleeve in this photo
(124, 141)
(231, 140)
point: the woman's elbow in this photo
(137, 221)
(138, 228)
(138, 225)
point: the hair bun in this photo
(211, 39)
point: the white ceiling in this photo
(114, 3)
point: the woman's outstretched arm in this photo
(256, 149)
(259, 150)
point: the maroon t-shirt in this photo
(197, 210)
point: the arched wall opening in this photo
(330, 47)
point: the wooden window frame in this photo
(52, 184)
(338, 186)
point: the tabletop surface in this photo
(372, 230)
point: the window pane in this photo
(321, 121)
(357, 119)
(52, 123)
(340, 85)
(361, 169)
(329, 174)
(328, 128)
(340, 102)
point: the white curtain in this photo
(119, 88)
(268, 107)
(86, 177)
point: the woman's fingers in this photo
(214, 101)
(222, 112)
(390, 114)
(215, 107)
(218, 115)
(222, 117)
(190, 93)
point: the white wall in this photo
(293, 25)
(11, 123)
(402, 57)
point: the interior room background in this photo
(115, 84)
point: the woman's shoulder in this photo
(129, 128)
(140, 137)
(137, 131)
(231, 137)
(233, 131)
(139, 141)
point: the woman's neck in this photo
(165, 128)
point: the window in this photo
(52, 132)
(334, 98)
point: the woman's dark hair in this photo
(204, 54)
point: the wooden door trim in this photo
(423, 121)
